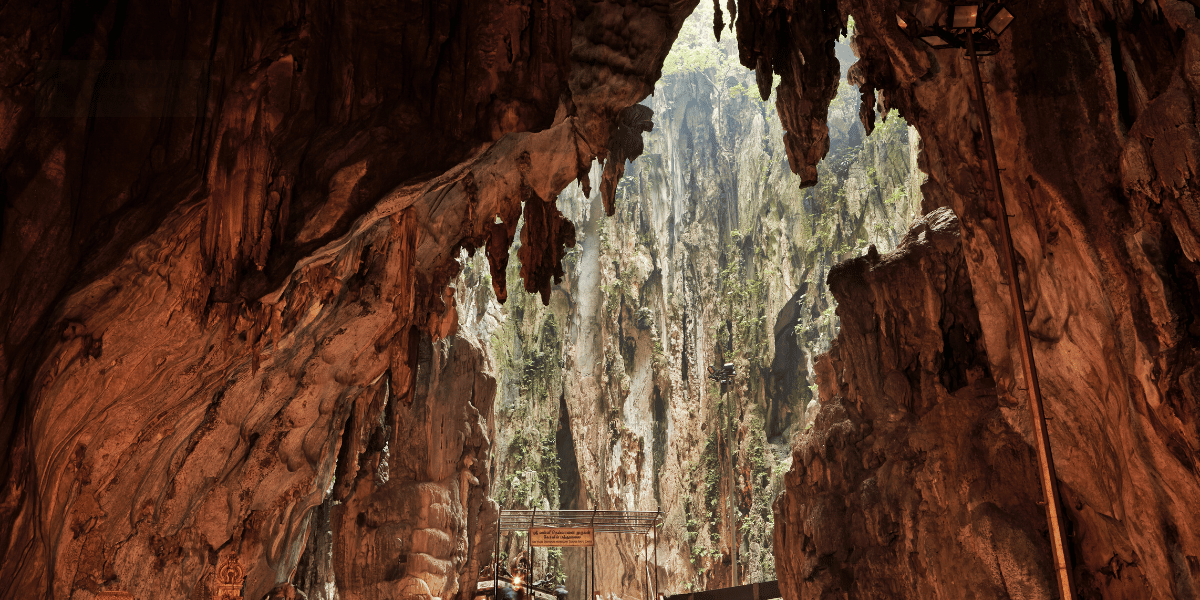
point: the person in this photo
(520, 565)
(506, 592)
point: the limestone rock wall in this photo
(911, 482)
(228, 233)
(409, 522)
(1104, 223)
(215, 281)
(603, 395)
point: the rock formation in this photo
(1105, 223)
(228, 233)
(911, 483)
(603, 395)
(229, 230)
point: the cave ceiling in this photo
(229, 230)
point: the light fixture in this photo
(938, 38)
(907, 21)
(722, 375)
(964, 16)
(998, 19)
(982, 22)
(985, 45)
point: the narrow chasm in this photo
(715, 254)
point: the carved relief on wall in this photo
(227, 579)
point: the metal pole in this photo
(592, 595)
(496, 559)
(656, 556)
(532, 557)
(1049, 480)
(734, 539)
(646, 561)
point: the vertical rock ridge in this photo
(1073, 95)
(902, 475)
(709, 238)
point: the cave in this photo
(264, 338)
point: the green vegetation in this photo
(571, 257)
(532, 450)
(555, 558)
(710, 465)
(744, 237)
(695, 50)
(744, 293)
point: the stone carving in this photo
(228, 578)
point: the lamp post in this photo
(724, 376)
(976, 27)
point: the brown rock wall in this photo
(402, 522)
(911, 483)
(1081, 97)
(214, 285)
(214, 290)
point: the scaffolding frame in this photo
(599, 521)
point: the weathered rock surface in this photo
(216, 280)
(227, 237)
(604, 398)
(911, 482)
(407, 513)
(1082, 96)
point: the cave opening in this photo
(714, 254)
(264, 339)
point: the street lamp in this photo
(994, 17)
(722, 375)
(976, 26)
(961, 25)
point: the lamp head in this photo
(938, 38)
(993, 16)
(963, 16)
(907, 22)
(985, 45)
(983, 20)
(998, 19)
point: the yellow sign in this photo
(560, 536)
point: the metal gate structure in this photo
(597, 521)
(763, 590)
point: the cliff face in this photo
(1105, 225)
(911, 482)
(714, 254)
